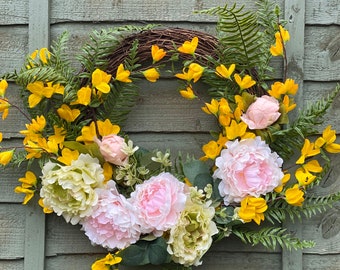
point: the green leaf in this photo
(198, 173)
(146, 252)
(91, 149)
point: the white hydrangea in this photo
(69, 190)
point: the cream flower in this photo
(191, 237)
(70, 190)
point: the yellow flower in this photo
(151, 74)
(67, 155)
(189, 47)
(39, 91)
(194, 73)
(212, 107)
(107, 128)
(45, 209)
(188, 93)
(33, 150)
(1, 136)
(294, 195)
(28, 186)
(290, 87)
(6, 157)
(157, 53)
(59, 135)
(3, 87)
(236, 130)
(224, 72)
(100, 81)
(252, 209)
(30, 180)
(122, 74)
(68, 114)
(211, 150)
(29, 193)
(245, 82)
(88, 133)
(106, 263)
(34, 129)
(4, 106)
(44, 55)
(108, 171)
(304, 175)
(327, 141)
(283, 33)
(83, 96)
(284, 180)
(308, 150)
(277, 89)
(288, 103)
(277, 49)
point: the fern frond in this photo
(286, 141)
(102, 43)
(270, 237)
(267, 20)
(238, 32)
(279, 210)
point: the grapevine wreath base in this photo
(142, 205)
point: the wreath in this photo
(144, 206)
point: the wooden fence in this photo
(31, 241)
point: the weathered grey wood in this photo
(322, 54)
(13, 44)
(12, 264)
(39, 35)
(16, 11)
(12, 231)
(135, 10)
(295, 15)
(322, 12)
(13, 12)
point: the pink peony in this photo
(113, 222)
(159, 202)
(247, 168)
(262, 113)
(111, 148)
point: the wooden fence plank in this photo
(39, 34)
(13, 12)
(295, 15)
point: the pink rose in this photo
(111, 148)
(262, 113)
(159, 202)
(113, 222)
(247, 168)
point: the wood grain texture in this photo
(13, 12)
(12, 231)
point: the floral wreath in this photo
(141, 205)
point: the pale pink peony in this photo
(113, 222)
(159, 201)
(111, 147)
(247, 168)
(262, 113)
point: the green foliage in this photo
(270, 237)
(146, 252)
(239, 38)
(101, 44)
(280, 211)
(287, 140)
